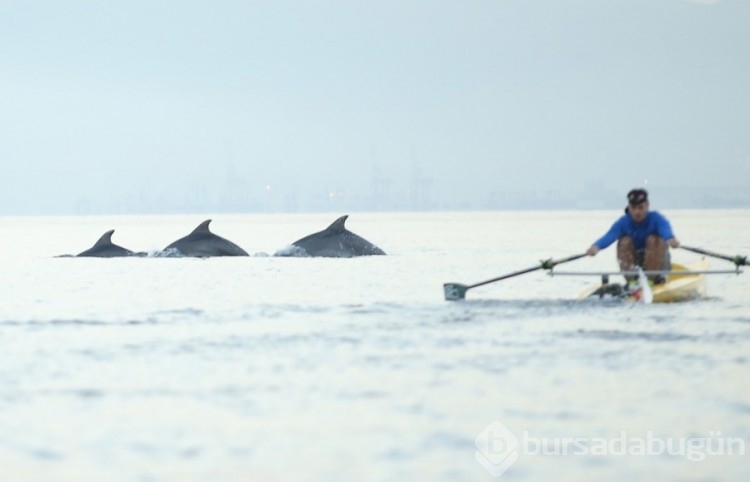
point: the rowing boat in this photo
(684, 282)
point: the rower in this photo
(643, 238)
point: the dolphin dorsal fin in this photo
(106, 239)
(202, 227)
(338, 225)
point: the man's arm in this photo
(609, 237)
(665, 231)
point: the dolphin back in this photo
(104, 248)
(336, 242)
(202, 243)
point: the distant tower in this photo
(235, 196)
(419, 192)
(380, 190)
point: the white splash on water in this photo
(647, 296)
(292, 251)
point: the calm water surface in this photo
(264, 368)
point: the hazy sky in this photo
(166, 106)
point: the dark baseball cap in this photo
(637, 196)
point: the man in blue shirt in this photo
(643, 237)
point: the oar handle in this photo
(549, 264)
(546, 264)
(737, 260)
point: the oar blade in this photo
(454, 291)
(457, 291)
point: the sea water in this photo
(267, 368)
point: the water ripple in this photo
(617, 335)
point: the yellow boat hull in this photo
(682, 287)
(679, 287)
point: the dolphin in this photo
(202, 243)
(333, 242)
(104, 248)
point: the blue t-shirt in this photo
(654, 223)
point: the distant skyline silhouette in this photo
(342, 105)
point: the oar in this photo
(737, 260)
(457, 291)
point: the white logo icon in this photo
(496, 449)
